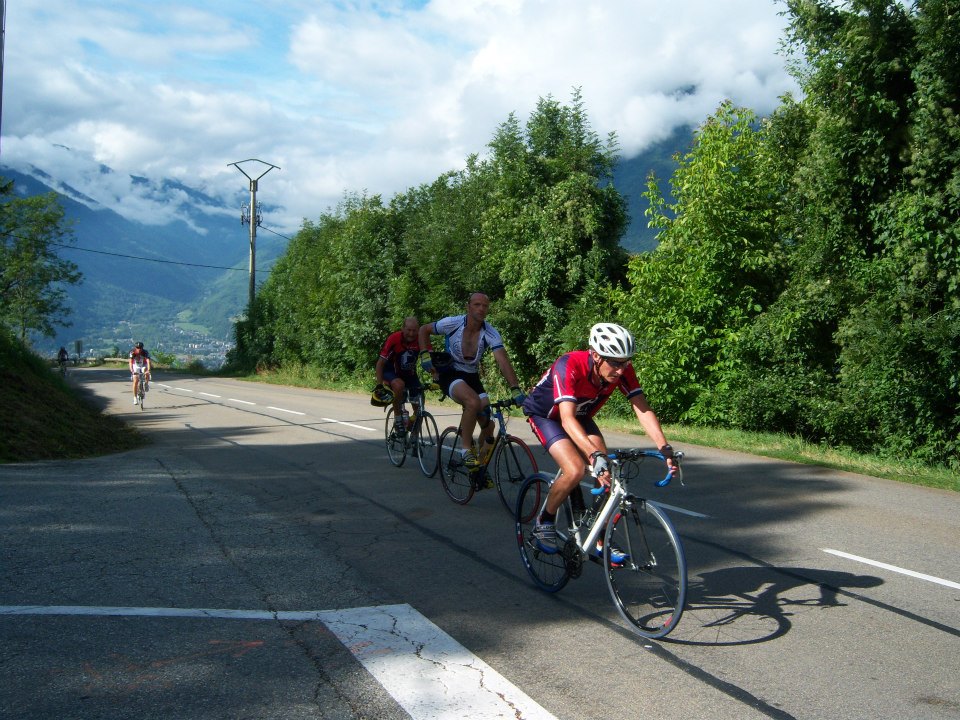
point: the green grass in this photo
(43, 418)
(785, 447)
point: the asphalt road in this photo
(237, 567)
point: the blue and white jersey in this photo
(452, 328)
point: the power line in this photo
(138, 257)
(156, 260)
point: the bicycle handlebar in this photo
(636, 454)
(502, 405)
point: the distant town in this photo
(181, 346)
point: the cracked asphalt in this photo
(274, 499)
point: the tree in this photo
(32, 275)
(719, 263)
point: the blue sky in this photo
(347, 97)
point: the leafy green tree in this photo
(719, 263)
(32, 274)
(552, 235)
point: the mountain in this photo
(630, 178)
(146, 282)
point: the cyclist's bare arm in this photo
(506, 367)
(650, 423)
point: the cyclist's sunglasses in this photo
(615, 364)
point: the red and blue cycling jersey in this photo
(400, 355)
(569, 380)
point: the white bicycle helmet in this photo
(611, 341)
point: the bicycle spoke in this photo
(649, 587)
(453, 474)
(548, 571)
(512, 464)
(396, 442)
(427, 444)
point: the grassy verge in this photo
(773, 445)
(785, 447)
(45, 419)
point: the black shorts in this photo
(450, 377)
(411, 381)
(549, 431)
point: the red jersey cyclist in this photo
(397, 367)
(560, 409)
(139, 368)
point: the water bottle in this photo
(406, 418)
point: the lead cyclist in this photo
(140, 366)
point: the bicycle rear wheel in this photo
(427, 444)
(650, 587)
(396, 441)
(453, 473)
(548, 570)
(512, 464)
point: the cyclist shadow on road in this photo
(745, 605)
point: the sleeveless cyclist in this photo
(452, 328)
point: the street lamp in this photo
(254, 217)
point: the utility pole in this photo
(254, 217)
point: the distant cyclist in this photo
(560, 409)
(468, 337)
(140, 366)
(397, 367)
(62, 357)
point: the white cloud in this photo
(353, 96)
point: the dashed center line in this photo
(208, 394)
(243, 402)
(341, 422)
(894, 568)
(279, 409)
(183, 389)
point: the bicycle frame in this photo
(616, 493)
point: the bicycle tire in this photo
(395, 442)
(547, 570)
(649, 589)
(453, 474)
(512, 463)
(427, 443)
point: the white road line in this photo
(245, 402)
(183, 389)
(589, 486)
(292, 412)
(426, 671)
(208, 395)
(341, 422)
(894, 568)
(160, 384)
(680, 510)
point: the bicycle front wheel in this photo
(649, 588)
(427, 444)
(396, 441)
(512, 464)
(548, 570)
(454, 475)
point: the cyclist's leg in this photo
(398, 387)
(573, 466)
(469, 399)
